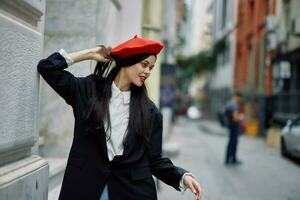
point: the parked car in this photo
(290, 138)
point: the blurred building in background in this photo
(282, 62)
(220, 81)
(194, 36)
(249, 65)
(283, 48)
(172, 18)
(23, 174)
(266, 67)
(261, 60)
(197, 32)
(198, 38)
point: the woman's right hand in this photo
(101, 53)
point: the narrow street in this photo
(264, 174)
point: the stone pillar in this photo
(151, 28)
(23, 174)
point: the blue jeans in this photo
(232, 144)
(104, 195)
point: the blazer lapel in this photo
(99, 134)
(130, 141)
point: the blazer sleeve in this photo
(162, 167)
(62, 81)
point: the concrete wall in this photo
(23, 174)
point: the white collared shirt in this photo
(119, 118)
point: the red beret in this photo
(136, 46)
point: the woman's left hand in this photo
(101, 53)
(191, 183)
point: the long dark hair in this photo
(97, 111)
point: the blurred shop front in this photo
(286, 88)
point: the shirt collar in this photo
(115, 91)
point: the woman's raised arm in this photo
(100, 53)
(62, 81)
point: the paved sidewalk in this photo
(264, 174)
(212, 127)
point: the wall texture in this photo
(21, 48)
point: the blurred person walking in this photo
(234, 118)
(117, 144)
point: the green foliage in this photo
(204, 61)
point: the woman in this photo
(117, 141)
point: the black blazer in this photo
(129, 176)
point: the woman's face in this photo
(139, 72)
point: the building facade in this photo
(23, 174)
(249, 65)
(220, 81)
(283, 46)
(267, 62)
